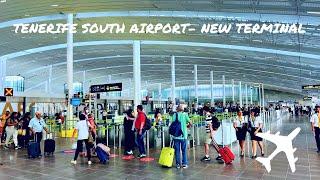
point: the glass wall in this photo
(77, 88)
(15, 82)
(204, 92)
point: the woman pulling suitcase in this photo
(240, 125)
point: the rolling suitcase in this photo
(33, 149)
(166, 156)
(49, 146)
(102, 155)
(225, 152)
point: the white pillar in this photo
(159, 93)
(173, 80)
(3, 70)
(259, 91)
(211, 84)
(84, 83)
(246, 86)
(50, 80)
(224, 90)
(196, 83)
(109, 78)
(70, 65)
(262, 94)
(232, 82)
(240, 94)
(136, 73)
(251, 94)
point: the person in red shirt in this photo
(139, 126)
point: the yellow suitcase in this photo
(166, 157)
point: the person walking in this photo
(139, 126)
(315, 126)
(180, 143)
(255, 126)
(82, 127)
(210, 131)
(240, 125)
(37, 125)
(12, 130)
(128, 132)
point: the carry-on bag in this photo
(102, 155)
(225, 152)
(34, 148)
(49, 146)
(166, 156)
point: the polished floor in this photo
(15, 165)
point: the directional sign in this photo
(8, 91)
(106, 88)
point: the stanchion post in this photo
(147, 142)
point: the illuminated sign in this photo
(311, 87)
(8, 91)
(106, 88)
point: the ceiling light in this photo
(3, 1)
(54, 5)
(313, 12)
(27, 15)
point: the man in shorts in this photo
(210, 132)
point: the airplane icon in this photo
(283, 143)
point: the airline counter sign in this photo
(311, 87)
(106, 88)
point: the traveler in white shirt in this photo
(315, 126)
(240, 124)
(255, 126)
(82, 127)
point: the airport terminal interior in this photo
(160, 89)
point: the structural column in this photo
(173, 80)
(211, 84)
(224, 90)
(233, 100)
(84, 83)
(246, 86)
(240, 94)
(3, 69)
(196, 84)
(70, 65)
(50, 80)
(136, 73)
(251, 94)
(159, 93)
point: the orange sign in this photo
(8, 91)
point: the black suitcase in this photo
(49, 146)
(33, 149)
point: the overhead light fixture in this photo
(54, 5)
(27, 15)
(313, 12)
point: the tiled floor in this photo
(17, 166)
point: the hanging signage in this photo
(307, 98)
(8, 91)
(106, 88)
(311, 87)
(75, 101)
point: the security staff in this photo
(255, 126)
(315, 126)
(240, 124)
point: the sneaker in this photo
(16, 147)
(89, 162)
(219, 158)
(130, 153)
(178, 166)
(142, 156)
(74, 162)
(6, 147)
(185, 166)
(205, 158)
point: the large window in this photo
(15, 82)
(77, 87)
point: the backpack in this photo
(147, 124)
(215, 123)
(175, 128)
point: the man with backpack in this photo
(139, 125)
(212, 125)
(180, 136)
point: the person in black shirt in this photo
(129, 137)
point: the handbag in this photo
(21, 132)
